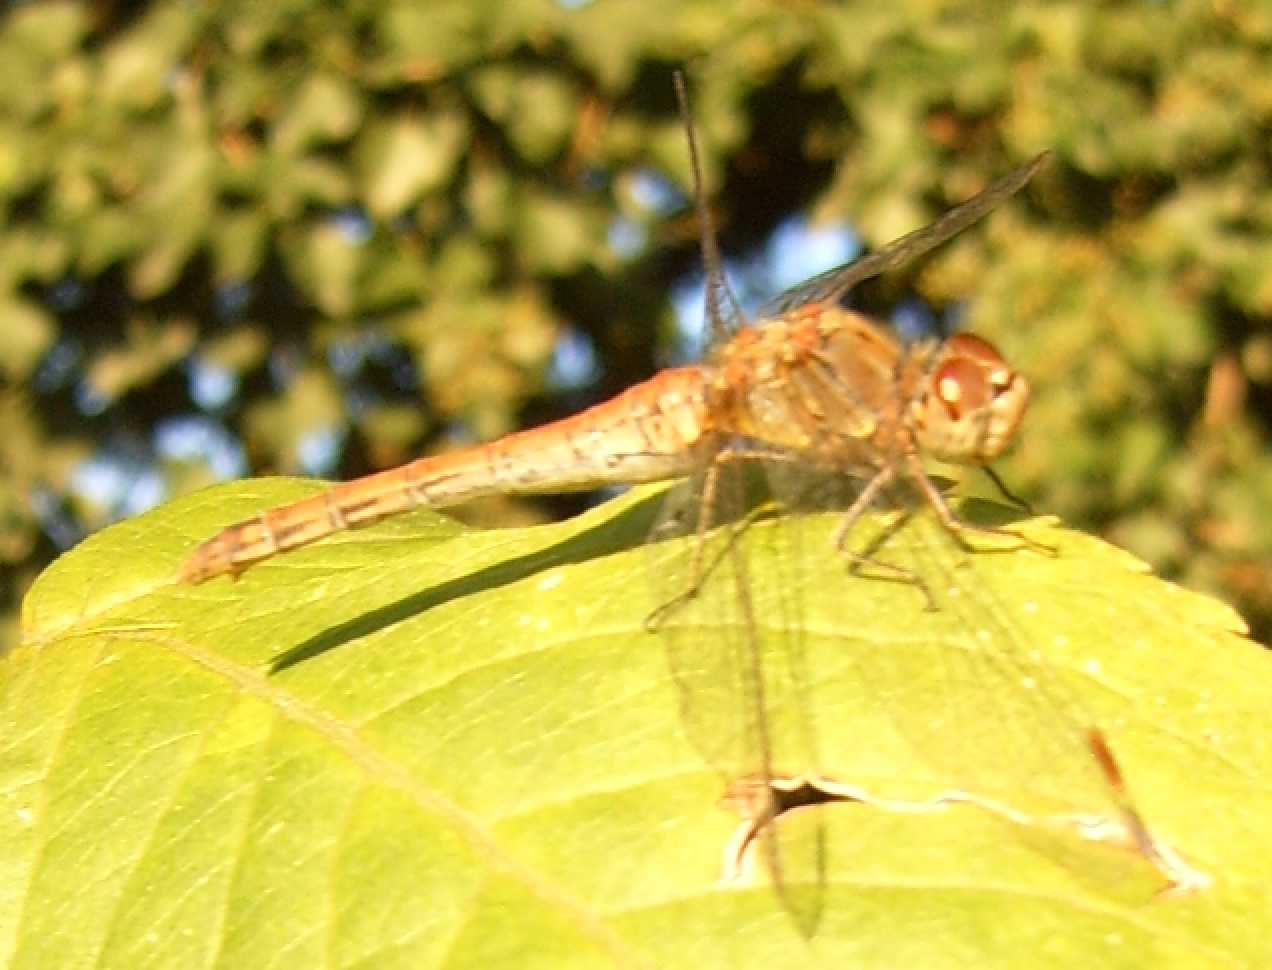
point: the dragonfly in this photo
(810, 384)
(812, 381)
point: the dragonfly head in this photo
(971, 403)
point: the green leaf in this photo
(417, 745)
(407, 158)
(323, 108)
(25, 334)
(327, 262)
(538, 110)
(135, 70)
(563, 232)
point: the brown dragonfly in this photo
(813, 381)
(809, 385)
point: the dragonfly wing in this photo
(833, 284)
(732, 634)
(964, 690)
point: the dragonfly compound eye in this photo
(972, 404)
(962, 387)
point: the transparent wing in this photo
(954, 690)
(735, 653)
(1010, 719)
(830, 286)
(739, 701)
(920, 679)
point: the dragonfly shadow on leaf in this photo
(612, 536)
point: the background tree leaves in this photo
(272, 238)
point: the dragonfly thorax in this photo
(839, 389)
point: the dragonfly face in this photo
(971, 404)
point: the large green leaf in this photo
(418, 745)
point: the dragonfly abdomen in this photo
(645, 434)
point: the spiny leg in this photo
(860, 562)
(1006, 492)
(706, 508)
(959, 529)
(699, 569)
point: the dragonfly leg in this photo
(1007, 493)
(961, 530)
(706, 504)
(700, 570)
(868, 567)
(863, 563)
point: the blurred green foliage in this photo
(260, 226)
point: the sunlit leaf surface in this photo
(418, 745)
